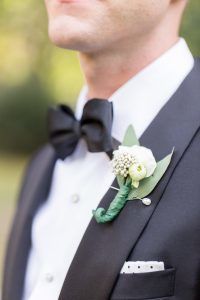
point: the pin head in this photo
(146, 201)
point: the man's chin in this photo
(69, 38)
(60, 42)
(72, 42)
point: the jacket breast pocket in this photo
(140, 286)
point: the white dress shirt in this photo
(81, 180)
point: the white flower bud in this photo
(137, 172)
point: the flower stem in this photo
(115, 207)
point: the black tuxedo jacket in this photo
(168, 230)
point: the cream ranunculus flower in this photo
(144, 166)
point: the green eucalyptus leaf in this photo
(147, 185)
(130, 137)
(120, 180)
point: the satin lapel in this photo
(34, 192)
(105, 247)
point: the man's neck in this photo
(107, 71)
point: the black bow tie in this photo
(94, 126)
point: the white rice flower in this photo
(122, 160)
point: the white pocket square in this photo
(131, 267)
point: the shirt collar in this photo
(139, 100)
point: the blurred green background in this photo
(33, 74)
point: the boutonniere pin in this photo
(137, 173)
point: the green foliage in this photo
(22, 117)
(147, 185)
(190, 26)
(130, 137)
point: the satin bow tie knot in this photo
(94, 126)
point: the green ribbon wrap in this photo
(103, 216)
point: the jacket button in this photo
(49, 277)
(75, 198)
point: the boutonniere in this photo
(137, 173)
